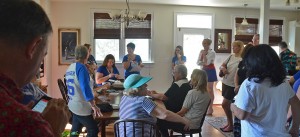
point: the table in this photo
(114, 115)
(114, 99)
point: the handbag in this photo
(105, 107)
(221, 74)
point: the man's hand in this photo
(55, 108)
(30, 104)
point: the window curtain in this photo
(105, 27)
(139, 30)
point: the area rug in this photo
(217, 123)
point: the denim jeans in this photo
(88, 122)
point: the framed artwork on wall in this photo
(68, 39)
(223, 40)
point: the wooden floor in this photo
(207, 129)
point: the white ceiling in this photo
(275, 4)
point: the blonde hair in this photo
(208, 40)
(240, 44)
(199, 80)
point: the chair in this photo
(143, 124)
(64, 93)
(63, 90)
(193, 131)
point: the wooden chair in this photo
(136, 124)
(193, 131)
(64, 93)
(63, 90)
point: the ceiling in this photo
(274, 4)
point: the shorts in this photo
(228, 92)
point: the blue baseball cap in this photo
(135, 81)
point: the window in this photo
(198, 21)
(111, 37)
(246, 32)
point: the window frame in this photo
(122, 46)
(256, 17)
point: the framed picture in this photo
(223, 40)
(68, 39)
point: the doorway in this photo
(191, 41)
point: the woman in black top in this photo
(240, 76)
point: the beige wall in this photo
(77, 15)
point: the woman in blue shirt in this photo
(179, 57)
(132, 63)
(107, 70)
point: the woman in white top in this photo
(206, 61)
(265, 96)
(229, 68)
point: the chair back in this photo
(135, 128)
(203, 116)
(63, 90)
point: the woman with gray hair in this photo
(81, 99)
(134, 105)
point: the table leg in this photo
(103, 134)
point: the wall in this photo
(77, 15)
(294, 32)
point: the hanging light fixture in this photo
(128, 16)
(288, 2)
(245, 22)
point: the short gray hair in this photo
(81, 52)
(181, 69)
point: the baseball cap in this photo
(135, 81)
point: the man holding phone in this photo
(25, 31)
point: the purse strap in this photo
(228, 60)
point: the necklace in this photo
(109, 70)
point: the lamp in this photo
(245, 20)
(288, 2)
(128, 16)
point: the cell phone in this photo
(41, 104)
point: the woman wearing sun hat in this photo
(134, 105)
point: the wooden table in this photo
(114, 99)
(107, 116)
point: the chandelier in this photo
(128, 16)
(288, 2)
